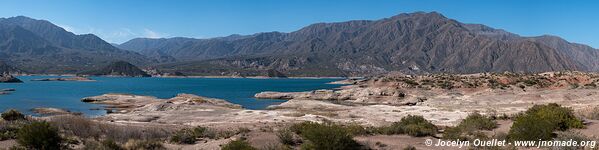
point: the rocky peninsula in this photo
(6, 78)
(77, 78)
(119, 69)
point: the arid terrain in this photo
(443, 99)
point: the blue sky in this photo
(120, 20)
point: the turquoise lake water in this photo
(67, 95)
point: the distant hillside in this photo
(7, 69)
(119, 68)
(39, 46)
(411, 43)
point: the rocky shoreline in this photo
(373, 102)
(444, 100)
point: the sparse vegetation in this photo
(143, 145)
(103, 145)
(570, 135)
(238, 145)
(191, 135)
(286, 137)
(411, 125)
(592, 114)
(129, 145)
(470, 127)
(409, 147)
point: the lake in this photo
(67, 94)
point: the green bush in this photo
(477, 121)
(411, 125)
(529, 127)
(540, 121)
(325, 136)
(563, 118)
(238, 145)
(39, 135)
(12, 114)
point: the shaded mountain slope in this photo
(38, 46)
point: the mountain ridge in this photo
(413, 43)
(38, 46)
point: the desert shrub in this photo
(286, 137)
(276, 146)
(409, 147)
(561, 117)
(469, 127)
(12, 114)
(566, 136)
(446, 85)
(478, 122)
(454, 133)
(531, 82)
(531, 128)
(238, 145)
(143, 145)
(325, 136)
(356, 129)
(184, 136)
(103, 145)
(203, 132)
(540, 121)
(190, 135)
(39, 135)
(411, 82)
(592, 114)
(9, 129)
(123, 133)
(85, 128)
(411, 125)
(77, 126)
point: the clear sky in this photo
(120, 20)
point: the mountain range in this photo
(38, 46)
(412, 43)
(415, 43)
